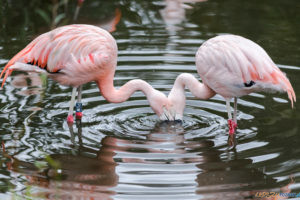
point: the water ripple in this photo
(122, 151)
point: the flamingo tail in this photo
(286, 85)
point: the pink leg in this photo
(232, 123)
(70, 118)
(235, 110)
(232, 126)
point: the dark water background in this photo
(122, 151)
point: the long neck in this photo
(113, 95)
(177, 94)
(156, 99)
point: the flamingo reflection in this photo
(174, 13)
(91, 173)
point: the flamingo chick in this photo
(77, 54)
(231, 66)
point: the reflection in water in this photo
(112, 21)
(108, 23)
(32, 81)
(232, 176)
(78, 6)
(165, 161)
(88, 173)
(174, 13)
(162, 161)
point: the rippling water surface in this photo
(122, 151)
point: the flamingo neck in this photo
(177, 94)
(157, 100)
(113, 95)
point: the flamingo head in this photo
(170, 114)
(162, 106)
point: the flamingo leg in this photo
(235, 110)
(78, 106)
(228, 109)
(231, 122)
(70, 118)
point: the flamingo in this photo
(77, 54)
(231, 66)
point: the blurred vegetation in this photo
(21, 21)
(34, 14)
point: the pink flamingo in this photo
(231, 66)
(77, 54)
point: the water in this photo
(122, 151)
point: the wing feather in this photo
(70, 47)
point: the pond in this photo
(123, 151)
